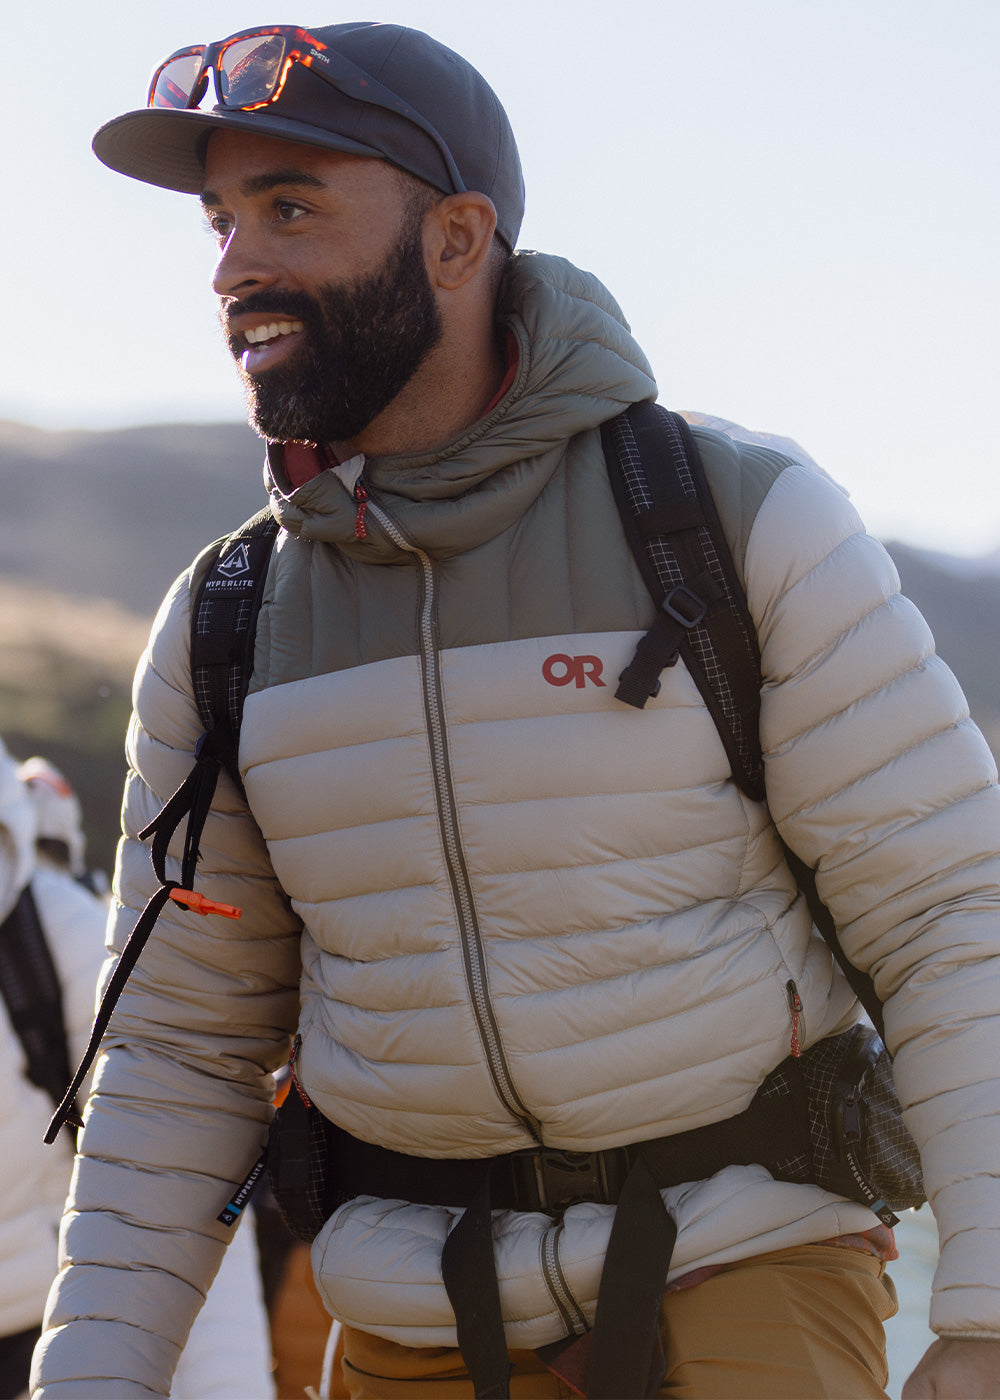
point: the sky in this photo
(795, 203)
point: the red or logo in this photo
(562, 669)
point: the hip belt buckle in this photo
(551, 1179)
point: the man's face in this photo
(325, 298)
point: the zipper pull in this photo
(296, 1047)
(360, 524)
(201, 904)
(795, 1001)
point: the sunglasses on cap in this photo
(250, 70)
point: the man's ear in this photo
(458, 235)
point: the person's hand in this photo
(956, 1369)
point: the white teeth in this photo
(257, 335)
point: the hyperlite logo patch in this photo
(234, 563)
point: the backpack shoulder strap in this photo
(31, 991)
(223, 628)
(673, 529)
(677, 540)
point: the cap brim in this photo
(165, 147)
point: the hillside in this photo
(65, 693)
(95, 527)
(119, 514)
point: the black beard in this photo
(363, 342)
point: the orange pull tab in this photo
(200, 904)
(360, 522)
(795, 1002)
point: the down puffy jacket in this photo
(228, 1352)
(502, 907)
(34, 1178)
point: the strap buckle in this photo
(684, 606)
(551, 1179)
(660, 647)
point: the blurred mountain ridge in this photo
(119, 514)
(97, 524)
(95, 527)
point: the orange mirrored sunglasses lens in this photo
(174, 83)
(250, 70)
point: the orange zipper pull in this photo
(795, 1001)
(201, 904)
(360, 523)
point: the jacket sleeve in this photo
(877, 777)
(180, 1103)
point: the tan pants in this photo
(800, 1324)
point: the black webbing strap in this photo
(625, 1356)
(774, 1126)
(192, 800)
(624, 1347)
(663, 511)
(680, 610)
(676, 539)
(223, 629)
(32, 994)
(469, 1270)
(673, 529)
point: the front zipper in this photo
(473, 951)
(555, 1281)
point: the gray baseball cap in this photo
(395, 93)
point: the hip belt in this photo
(829, 1116)
(552, 1179)
(315, 1166)
(624, 1347)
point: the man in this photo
(497, 910)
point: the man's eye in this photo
(220, 225)
(286, 211)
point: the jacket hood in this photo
(578, 365)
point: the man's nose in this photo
(242, 266)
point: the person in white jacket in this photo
(34, 1178)
(227, 1356)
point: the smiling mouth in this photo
(261, 335)
(267, 345)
